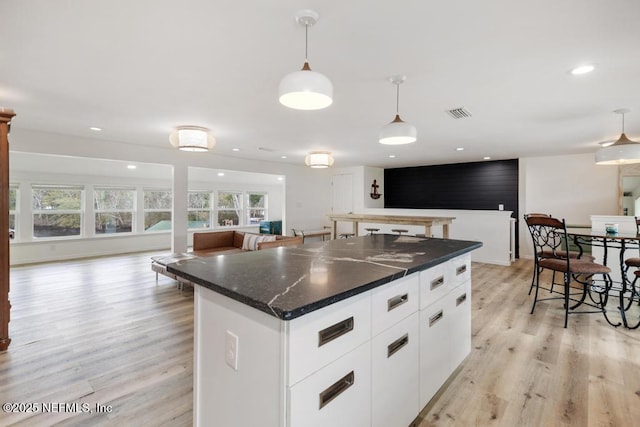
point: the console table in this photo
(427, 221)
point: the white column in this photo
(179, 216)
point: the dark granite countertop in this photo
(288, 282)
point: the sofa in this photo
(232, 241)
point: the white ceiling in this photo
(139, 68)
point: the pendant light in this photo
(398, 131)
(623, 151)
(306, 89)
(192, 138)
(319, 159)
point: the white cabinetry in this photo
(374, 359)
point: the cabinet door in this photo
(435, 363)
(337, 395)
(395, 383)
(460, 308)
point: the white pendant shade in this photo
(398, 132)
(319, 159)
(622, 152)
(306, 90)
(192, 138)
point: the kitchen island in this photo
(353, 332)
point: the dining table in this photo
(605, 244)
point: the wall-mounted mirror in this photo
(629, 190)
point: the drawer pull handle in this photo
(461, 270)
(397, 345)
(461, 299)
(397, 301)
(335, 331)
(436, 283)
(336, 389)
(435, 318)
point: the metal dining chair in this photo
(549, 252)
(550, 243)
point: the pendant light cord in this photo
(397, 98)
(306, 42)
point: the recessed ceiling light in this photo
(280, 178)
(393, 156)
(486, 158)
(95, 129)
(131, 166)
(235, 149)
(583, 69)
(460, 149)
(220, 173)
(283, 157)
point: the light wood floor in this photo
(103, 331)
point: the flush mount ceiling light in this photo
(306, 89)
(319, 159)
(623, 151)
(398, 132)
(192, 138)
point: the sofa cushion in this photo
(250, 241)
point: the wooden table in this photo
(427, 221)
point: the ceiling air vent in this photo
(459, 113)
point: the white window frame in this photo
(249, 208)
(132, 210)
(15, 212)
(209, 210)
(240, 211)
(145, 210)
(79, 211)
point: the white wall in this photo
(306, 196)
(571, 187)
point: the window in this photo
(199, 215)
(157, 210)
(229, 208)
(13, 203)
(114, 209)
(57, 211)
(257, 207)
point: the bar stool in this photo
(372, 230)
(399, 231)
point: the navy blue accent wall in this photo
(478, 185)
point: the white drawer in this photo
(393, 302)
(394, 383)
(460, 269)
(337, 395)
(435, 333)
(434, 284)
(320, 337)
(459, 303)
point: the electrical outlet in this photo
(500, 207)
(231, 350)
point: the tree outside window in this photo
(257, 211)
(57, 211)
(114, 209)
(199, 209)
(157, 210)
(13, 203)
(229, 208)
